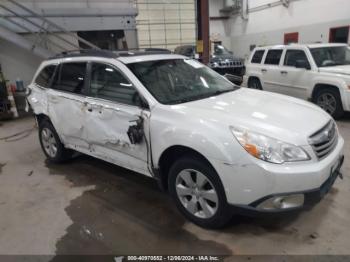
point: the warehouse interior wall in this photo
(219, 28)
(312, 19)
(80, 15)
(74, 16)
(17, 62)
(166, 24)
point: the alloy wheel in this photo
(49, 142)
(197, 193)
(327, 102)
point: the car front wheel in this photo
(254, 83)
(329, 100)
(198, 192)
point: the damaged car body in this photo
(214, 146)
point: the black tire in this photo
(62, 154)
(333, 95)
(254, 83)
(223, 213)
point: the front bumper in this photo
(346, 99)
(311, 197)
(251, 181)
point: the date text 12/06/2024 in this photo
(168, 258)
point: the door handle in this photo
(284, 72)
(88, 106)
(264, 70)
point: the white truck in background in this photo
(316, 72)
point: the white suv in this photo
(316, 72)
(216, 147)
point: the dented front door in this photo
(107, 132)
(110, 111)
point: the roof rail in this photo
(111, 54)
(152, 49)
(85, 52)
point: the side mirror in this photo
(302, 64)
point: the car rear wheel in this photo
(51, 144)
(329, 100)
(198, 192)
(254, 83)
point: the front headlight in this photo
(214, 64)
(267, 148)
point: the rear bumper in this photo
(311, 197)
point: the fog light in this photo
(282, 202)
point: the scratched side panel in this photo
(68, 114)
(37, 99)
(107, 126)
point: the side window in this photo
(257, 57)
(273, 57)
(43, 79)
(71, 78)
(292, 56)
(108, 83)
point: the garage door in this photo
(165, 24)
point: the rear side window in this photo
(273, 57)
(292, 56)
(257, 57)
(43, 79)
(71, 78)
(108, 83)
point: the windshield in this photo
(177, 81)
(221, 50)
(331, 56)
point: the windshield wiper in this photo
(219, 92)
(188, 99)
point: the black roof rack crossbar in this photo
(142, 52)
(85, 52)
(111, 54)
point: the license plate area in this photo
(335, 172)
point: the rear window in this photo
(273, 57)
(257, 57)
(43, 79)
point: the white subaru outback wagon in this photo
(215, 147)
(316, 72)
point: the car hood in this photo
(282, 117)
(343, 70)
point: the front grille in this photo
(324, 140)
(230, 64)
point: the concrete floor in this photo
(88, 206)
